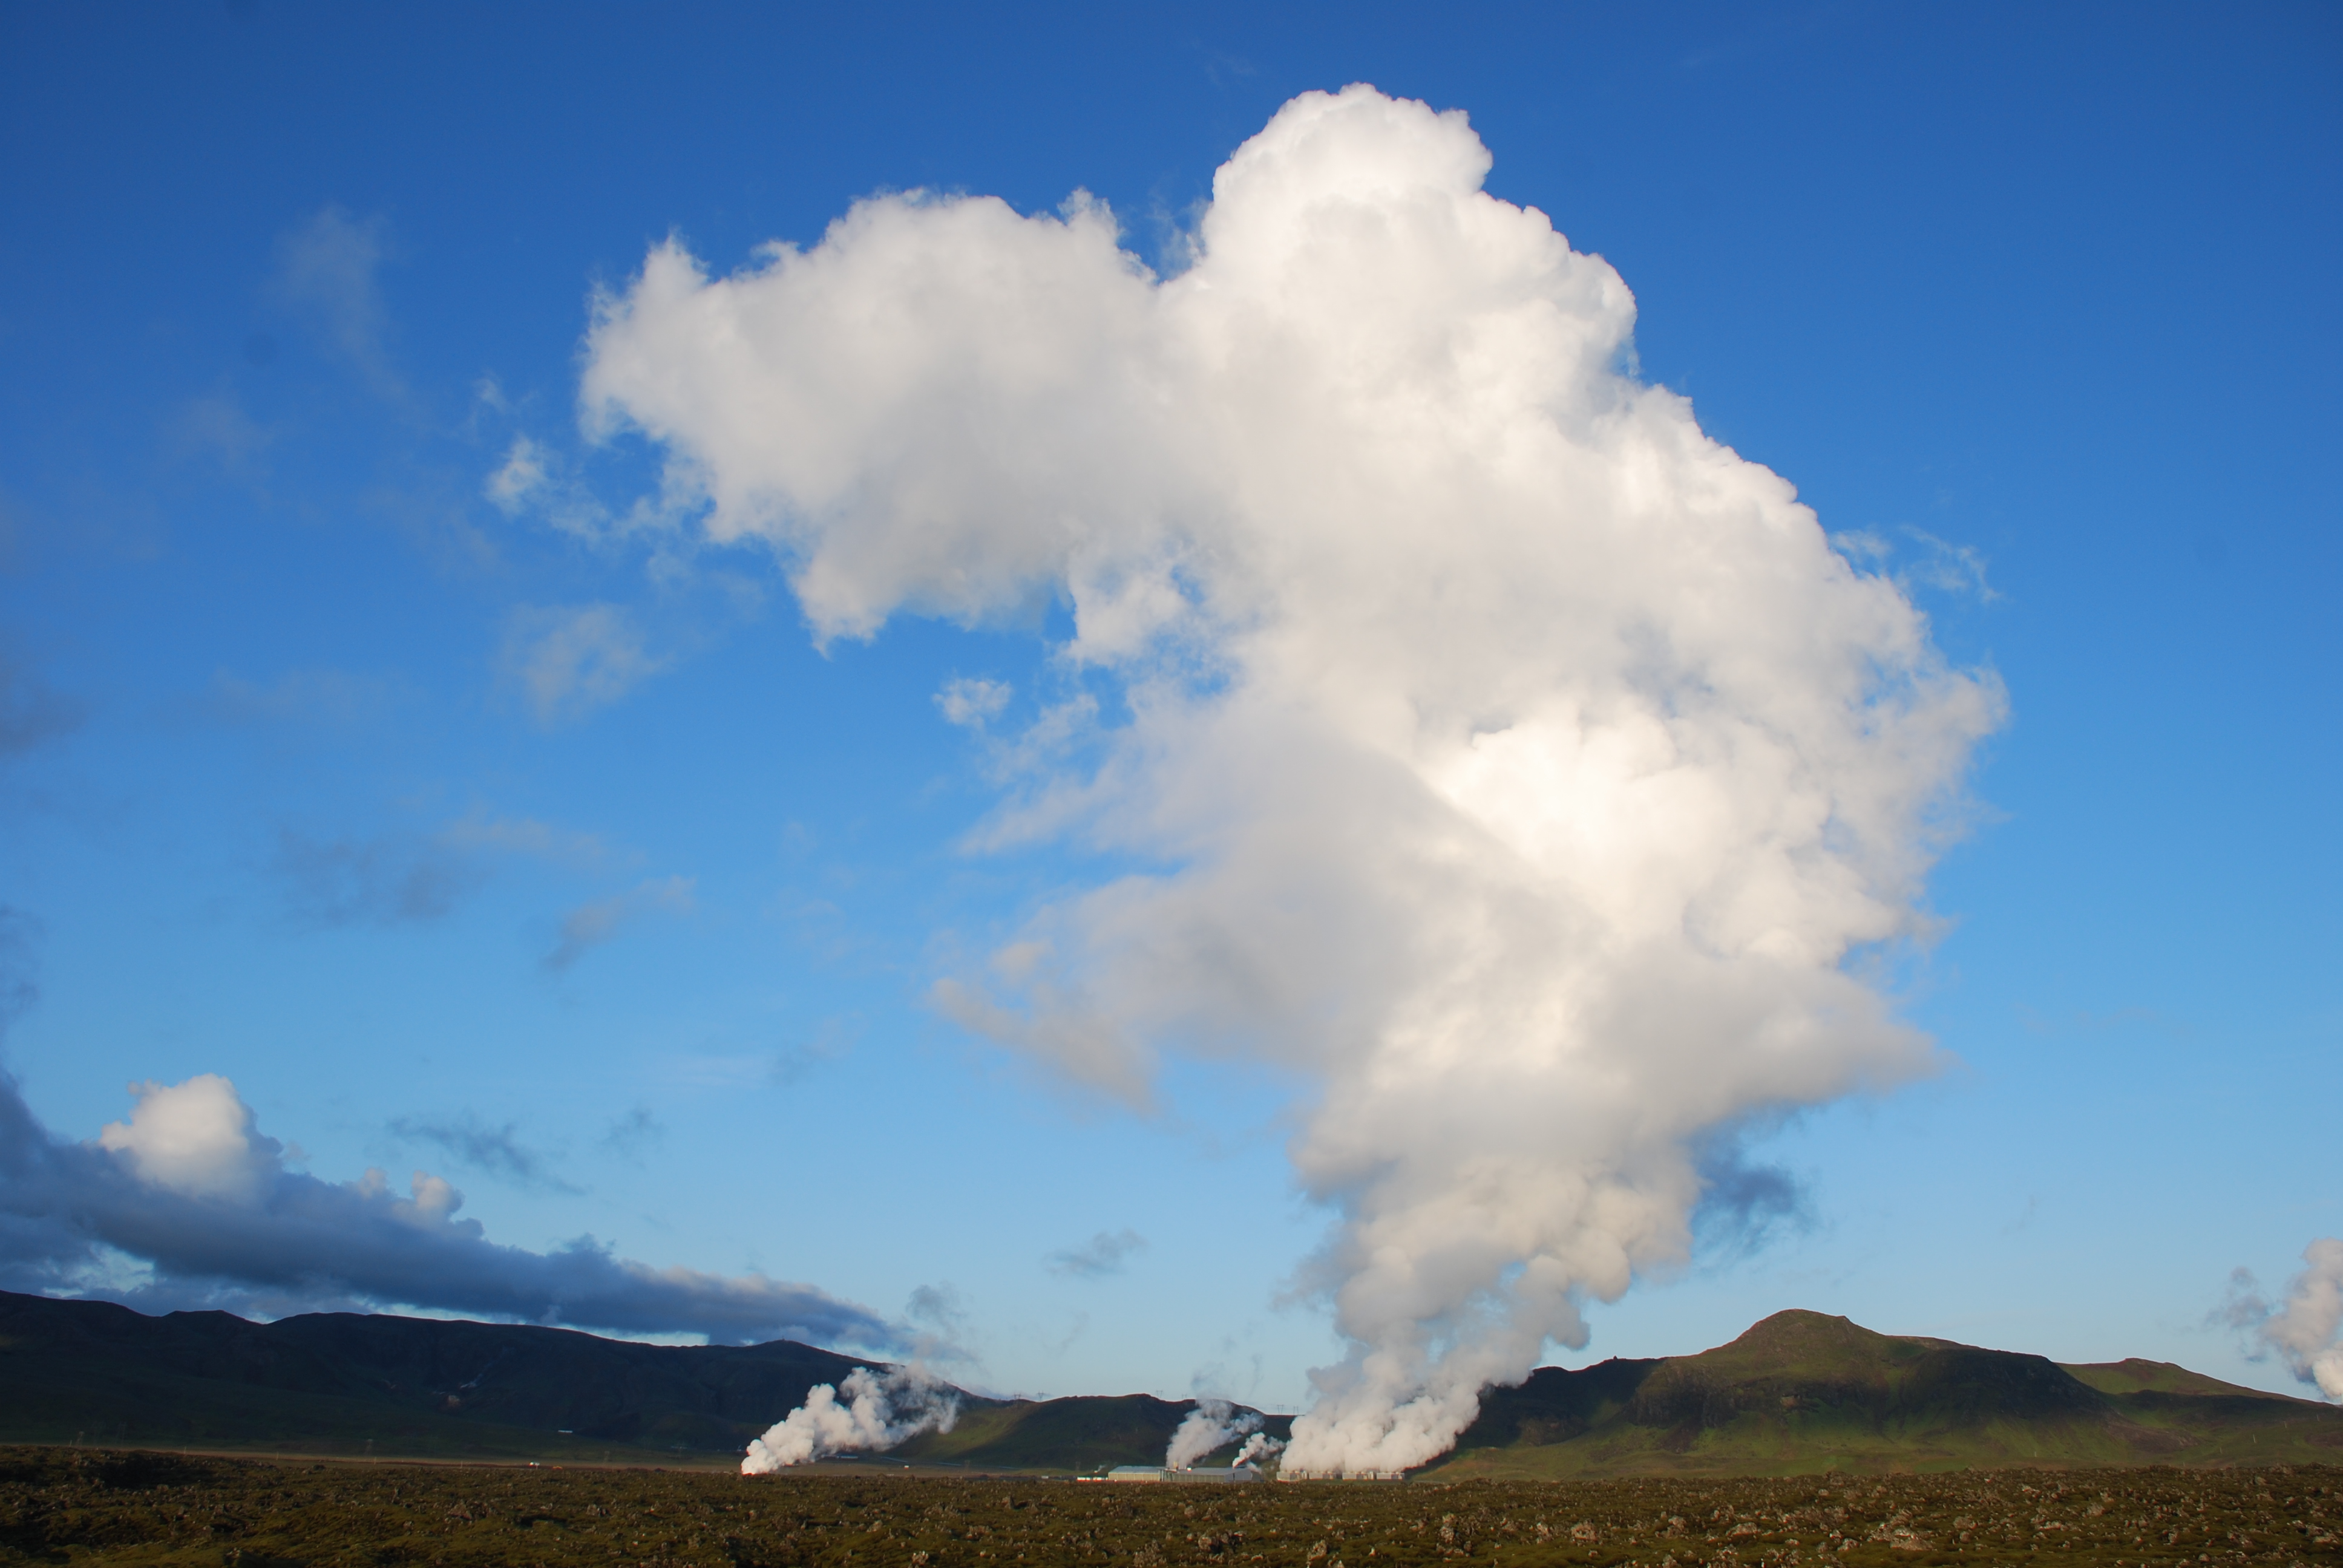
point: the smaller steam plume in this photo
(1259, 1448)
(878, 1412)
(2304, 1329)
(1212, 1422)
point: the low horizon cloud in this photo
(1515, 765)
(189, 1188)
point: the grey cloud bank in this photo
(190, 1189)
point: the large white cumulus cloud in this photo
(1529, 763)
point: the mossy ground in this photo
(69, 1505)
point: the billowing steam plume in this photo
(1259, 1448)
(1212, 1422)
(880, 1411)
(2303, 1331)
(1519, 764)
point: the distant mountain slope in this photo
(2134, 1375)
(1798, 1393)
(1801, 1391)
(1083, 1432)
(332, 1383)
(413, 1384)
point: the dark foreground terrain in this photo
(74, 1505)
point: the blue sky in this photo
(301, 788)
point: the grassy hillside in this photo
(2136, 1376)
(1801, 1393)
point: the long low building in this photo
(1157, 1473)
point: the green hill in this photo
(1801, 1392)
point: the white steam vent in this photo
(1527, 765)
(2305, 1328)
(1214, 1424)
(879, 1411)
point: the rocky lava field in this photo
(73, 1505)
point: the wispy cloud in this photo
(30, 712)
(589, 925)
(971, 701)
(533, 478)
(1953, 568)
(332, 698)
(830, 1040)
(521, 478)
(944, 1314)
(526, 836)
(17, 987)
(567, 661)
(385, 880)
(1745, 1204)
(327, 272)
(216, 426)
(629, 1136)
(404, 876)
(1108, 1252)
(492, 1151)
(1924, 561)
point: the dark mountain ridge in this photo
(335, 1382)
(1799, 1393)
(115, 1375)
